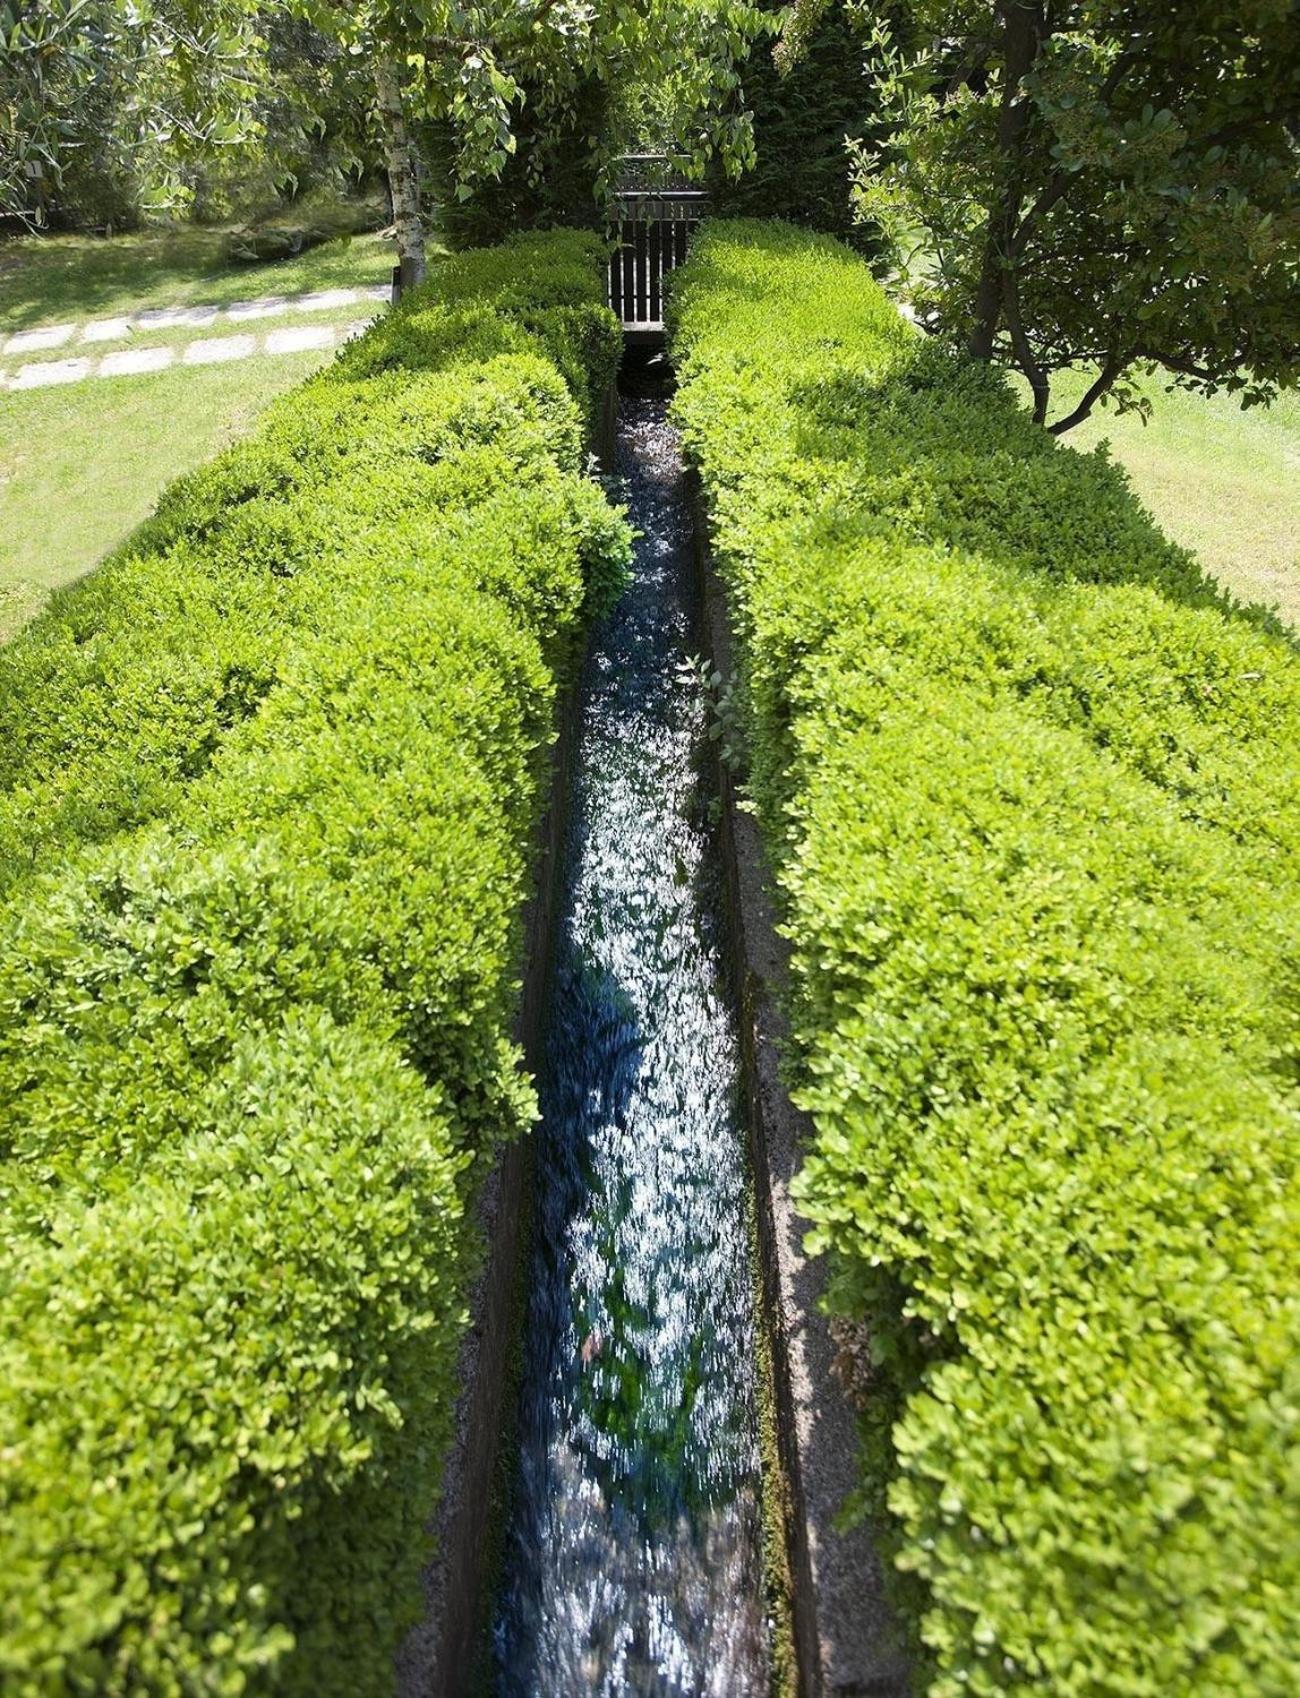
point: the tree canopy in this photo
(1094, 182)
(175, 80)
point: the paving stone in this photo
(214, 349)
(266, 306)
(36, 341)
(49, 372)
(358, 327)
(107, 330)
(130, 362)
(168, 318)
(379, 292)
(322, 299)
(299, 339)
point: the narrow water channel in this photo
(634, 1554)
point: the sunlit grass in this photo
(82, 464)
(1223, 482)
(68, 279)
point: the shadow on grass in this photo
(62, 279)
(46, 278)
(939, 449)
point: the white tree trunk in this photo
(403, 163)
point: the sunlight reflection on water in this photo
(634, 1559)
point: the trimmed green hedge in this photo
(1031, 788)
(269, 785)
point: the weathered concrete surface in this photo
(321, 300)
(169, 318)
(264, 306)
(847, 1641)
(215, 350)
(50, 372)
(299, 339)
(107, 330)
(133, 362)
(38, 341)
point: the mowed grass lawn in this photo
(65, 279)
(82, 464)
(1223, 482)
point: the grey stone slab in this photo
(300, 338)
(49, 372)
(379, 292)
(131, 362)
(322, 300)
(215, 350)
(107, 330)
(264, 306)
(170, 318)
(37, 341)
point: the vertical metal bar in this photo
(642, 272)
(656, 230)
(629, 271)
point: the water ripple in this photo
(634, 1565)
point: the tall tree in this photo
(804, 115)
(1100, 183)
(162, 82)
(468, 65)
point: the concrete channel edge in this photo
(441, 1657)
(847, 1641)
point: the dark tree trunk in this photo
(1022, 32)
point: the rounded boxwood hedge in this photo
(268, 789)
(1031, 789)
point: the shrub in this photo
(805, 115)
(1031, 792)
(270, 781)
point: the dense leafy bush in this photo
(549, 178)
(804, 118)
(280, 761)
(1032, 792)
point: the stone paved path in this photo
(210, 350)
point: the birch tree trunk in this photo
(403, 164)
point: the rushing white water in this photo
(634, 1559)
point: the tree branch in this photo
(1058, 186)
(1104, 381)
(1038, 381)
(1178, 363)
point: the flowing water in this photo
(634, 1555)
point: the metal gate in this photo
(650, 228)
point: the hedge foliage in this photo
(1031, 788)
(269, 783)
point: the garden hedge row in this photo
(268, 784)
(1031, 789)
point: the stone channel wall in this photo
(442, 1654)
(846, 1641)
